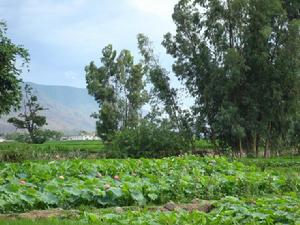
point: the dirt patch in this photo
(195, 205)
(188, 207)
(40, 214)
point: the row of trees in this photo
(239, 59)
(123, 87)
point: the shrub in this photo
(19, 137)
(38, 136)
(148, 140)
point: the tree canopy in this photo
(30, 119)
(122, 87)
(10, 56)
(240, 60)
(118, 85)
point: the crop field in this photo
(176, 190)
(52, 146)
(52, 150)
(15, 151)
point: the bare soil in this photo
(195, 205)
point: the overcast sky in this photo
(63, 36)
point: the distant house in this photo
(2, 139)
(86, 137)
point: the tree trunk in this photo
(267, 152)
(254, 143)
(257, 147)
(241, 147)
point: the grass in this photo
(15, 151)
(53, 146)
(204, 144)
(277, 165)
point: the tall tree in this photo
(100, 85)
(30, 118)
(161, 88)
(240, 60)
(10, 89)
(119, 88)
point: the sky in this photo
(63, 36)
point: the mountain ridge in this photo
(69, 108)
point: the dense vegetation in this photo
(16, 151)
(256, 195)
(228, 211)
(238, 59)
(10, 71)
(53, 150)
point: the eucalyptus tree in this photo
(161, 89)
(10, 81)
(118, 85)
(240, 60)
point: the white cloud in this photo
(65, 35)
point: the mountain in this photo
(69, 108)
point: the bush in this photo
(19, 137)
(38, 136)
(148, 140)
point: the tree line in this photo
(238, 59)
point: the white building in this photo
(2, 139)
(81, 138)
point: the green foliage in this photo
(149, 140)
(294, 134)
(204, 144)
(69, 184)
(292, 163)
(10, 90)
(48, 135)
(240, 60)
(229, 210)
(30, 119)
(19, 137)
(292, 8)
(52, 135)
(162, 92)
(118, 86)
(158, 76)
(18, 152)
